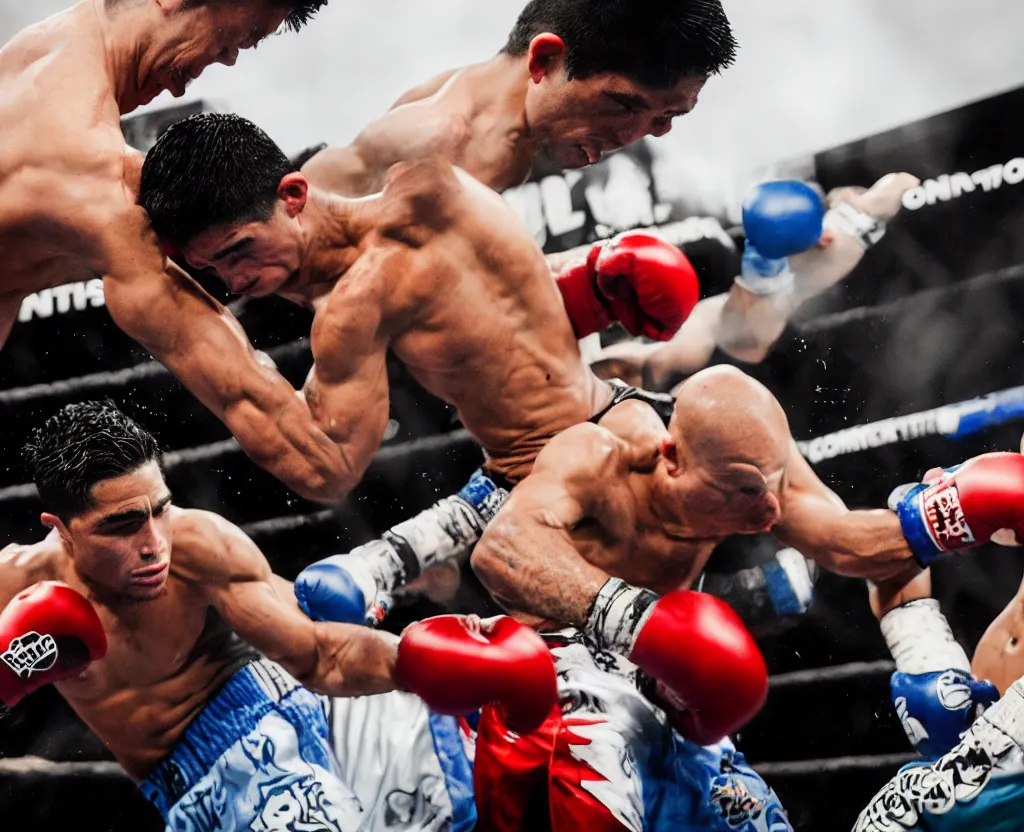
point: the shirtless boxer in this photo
(218, 736)
(68, 186)
(576, 79)
(616, 514)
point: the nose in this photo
(660, 128)
(154, 545)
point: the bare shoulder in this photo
(208, 549)
(582, 452)
(425, 90)
(421, 194)
(28, 564)
(635, 423)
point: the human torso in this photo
(166, 659)
(475, 313)
(62, 156)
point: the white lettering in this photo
(62, 299)
(1013, 171)
(952, 186)
(39, 305)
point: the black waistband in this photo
(662, 403)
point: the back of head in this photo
(209, 170)
(654, 42)
(81, 445)
(722, 415)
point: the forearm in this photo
(278, 432)
(911, 584)
(561, 260)
(352, 661)
(857, 544)
(534, 569)
(750, 324)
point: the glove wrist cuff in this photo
(864, 228)
(920, 639)
(617, 614)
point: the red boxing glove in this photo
(457, 668)
(644, 283)
(47, 633)
(713, 678)
(965, 507)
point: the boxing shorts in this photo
(607, 760)
(268, 755)
(970, 788)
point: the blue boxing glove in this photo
(780, 218)
(936, 708)
(358, 587)
(933, 691)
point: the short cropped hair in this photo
(654, 42)
(81, 445)
(300, 11)
(209, 170)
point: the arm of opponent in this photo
(235, 578)
(203, 345)
(526, 558)
(860, 544)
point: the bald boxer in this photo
(745, 323)
(137, 611)
(616, 521)
(575, 80)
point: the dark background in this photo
(933, 315)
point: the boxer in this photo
(617, 518)
(744, 324)
(68, 181)
(436, 268)
(137, 611)
(575, 80)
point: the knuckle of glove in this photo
(784, 217)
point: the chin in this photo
(143, 594)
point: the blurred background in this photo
(841, 93)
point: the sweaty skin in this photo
(438, 269)
(169, 656)
(476, 118)
(629, 499)
(68, 212)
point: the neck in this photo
(125, 36)
(334, 229)
(499, 97)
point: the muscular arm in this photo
(203, 345)
(347, 389)
(858, 544)
(335, 659)
(10, 306)
(527, 558)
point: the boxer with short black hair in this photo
(137, 611)
(575, 80)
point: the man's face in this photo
(122, 542)
(580, 120)
(255, 258)
(200, 36)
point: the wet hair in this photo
(81, 445)
(209, 170)
(654, 42)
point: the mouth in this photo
(149, 576)
(179, 81)
(590, 152)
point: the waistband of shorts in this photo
(233, 713)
